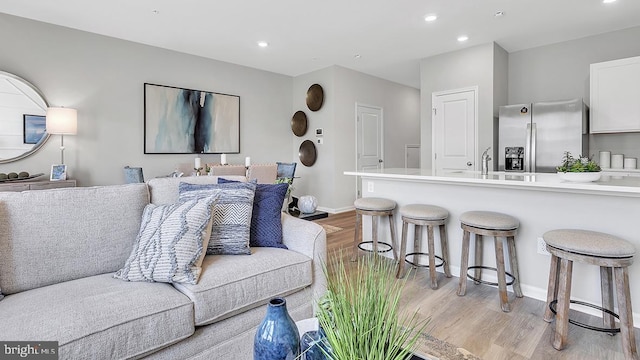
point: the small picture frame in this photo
(58, 172)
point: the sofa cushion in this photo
(165, 190)
(171, 243)
(232, 284)
(51, 236)
(231, 215)
(99, 317)
(266, 218)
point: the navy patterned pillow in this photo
(266, 221)
(231, 215)
(171, 242)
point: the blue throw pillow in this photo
(231, 215)
(266, 220)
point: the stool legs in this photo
(513, 263)
(562, 308)
(477, 272)
(445, 250)
(464, 264)
(356, 237)
(552, 288)
(626, 314)
(417, 241)
(392, 228)
(606, 284)
(502, 278)
(403, 250)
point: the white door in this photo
(369, 139)
(455, 116)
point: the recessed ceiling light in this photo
(608, 1)
(430, 17)
(357, 56)
(263, 44)
(463, 38)
(155, 11)
(499, 14)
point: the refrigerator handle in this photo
(534, 134)
(527, 149)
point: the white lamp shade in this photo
(62, 121)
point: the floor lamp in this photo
(62, 121)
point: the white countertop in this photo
(607, 185)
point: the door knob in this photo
(469, 163)
(380, 160)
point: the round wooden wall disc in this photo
(307, 153)
(315, 97)
(299, 123)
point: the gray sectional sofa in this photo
(59, 249)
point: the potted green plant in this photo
(580, 169)
(360, 313)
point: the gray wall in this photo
(561, 71)
(472, 66)
(343, 88)
(103, 78)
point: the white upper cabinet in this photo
(615, 96)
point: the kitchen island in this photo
(540, 201)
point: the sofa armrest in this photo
(310, 239)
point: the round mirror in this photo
(22, 118)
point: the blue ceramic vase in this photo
(312, 344)
(277, 337)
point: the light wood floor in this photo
(476, 323)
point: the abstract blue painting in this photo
(184, 121)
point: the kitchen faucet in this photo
(485, 161)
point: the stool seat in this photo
(424, 212)
(374, 204)
(591, 243)
(489, 220)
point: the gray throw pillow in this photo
(171, 242)
(231, 215)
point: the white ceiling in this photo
(390, 36)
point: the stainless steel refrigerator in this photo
(533, 137)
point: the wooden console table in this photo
(36, 185)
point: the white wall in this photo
(103, 78)
(561, 71)
(343, 88)
(472, 66)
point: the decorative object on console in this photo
(581, 169)
(630, 163)
(299, 123)
(315, 97)
(307, 204)
(62, 121)
(171, 243)
(133, 175)
(307, 153)
(617, 161)
(181, 121)
(58, 172)
(223, 159)
(266, 218)
(197, 166)
(34, 128)
(247, 161)
(605, 159)
(277, 337)
(231, 215)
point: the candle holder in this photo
(198, 171)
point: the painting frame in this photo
(186, 121)
(58, 172)
(34, 128)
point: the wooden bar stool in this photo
(487, 223)
(374, 207)
(613, 255)
(429, 216)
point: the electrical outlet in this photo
(542, 247)
(370, 186)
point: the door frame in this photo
(358, 140)
(433, 123)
